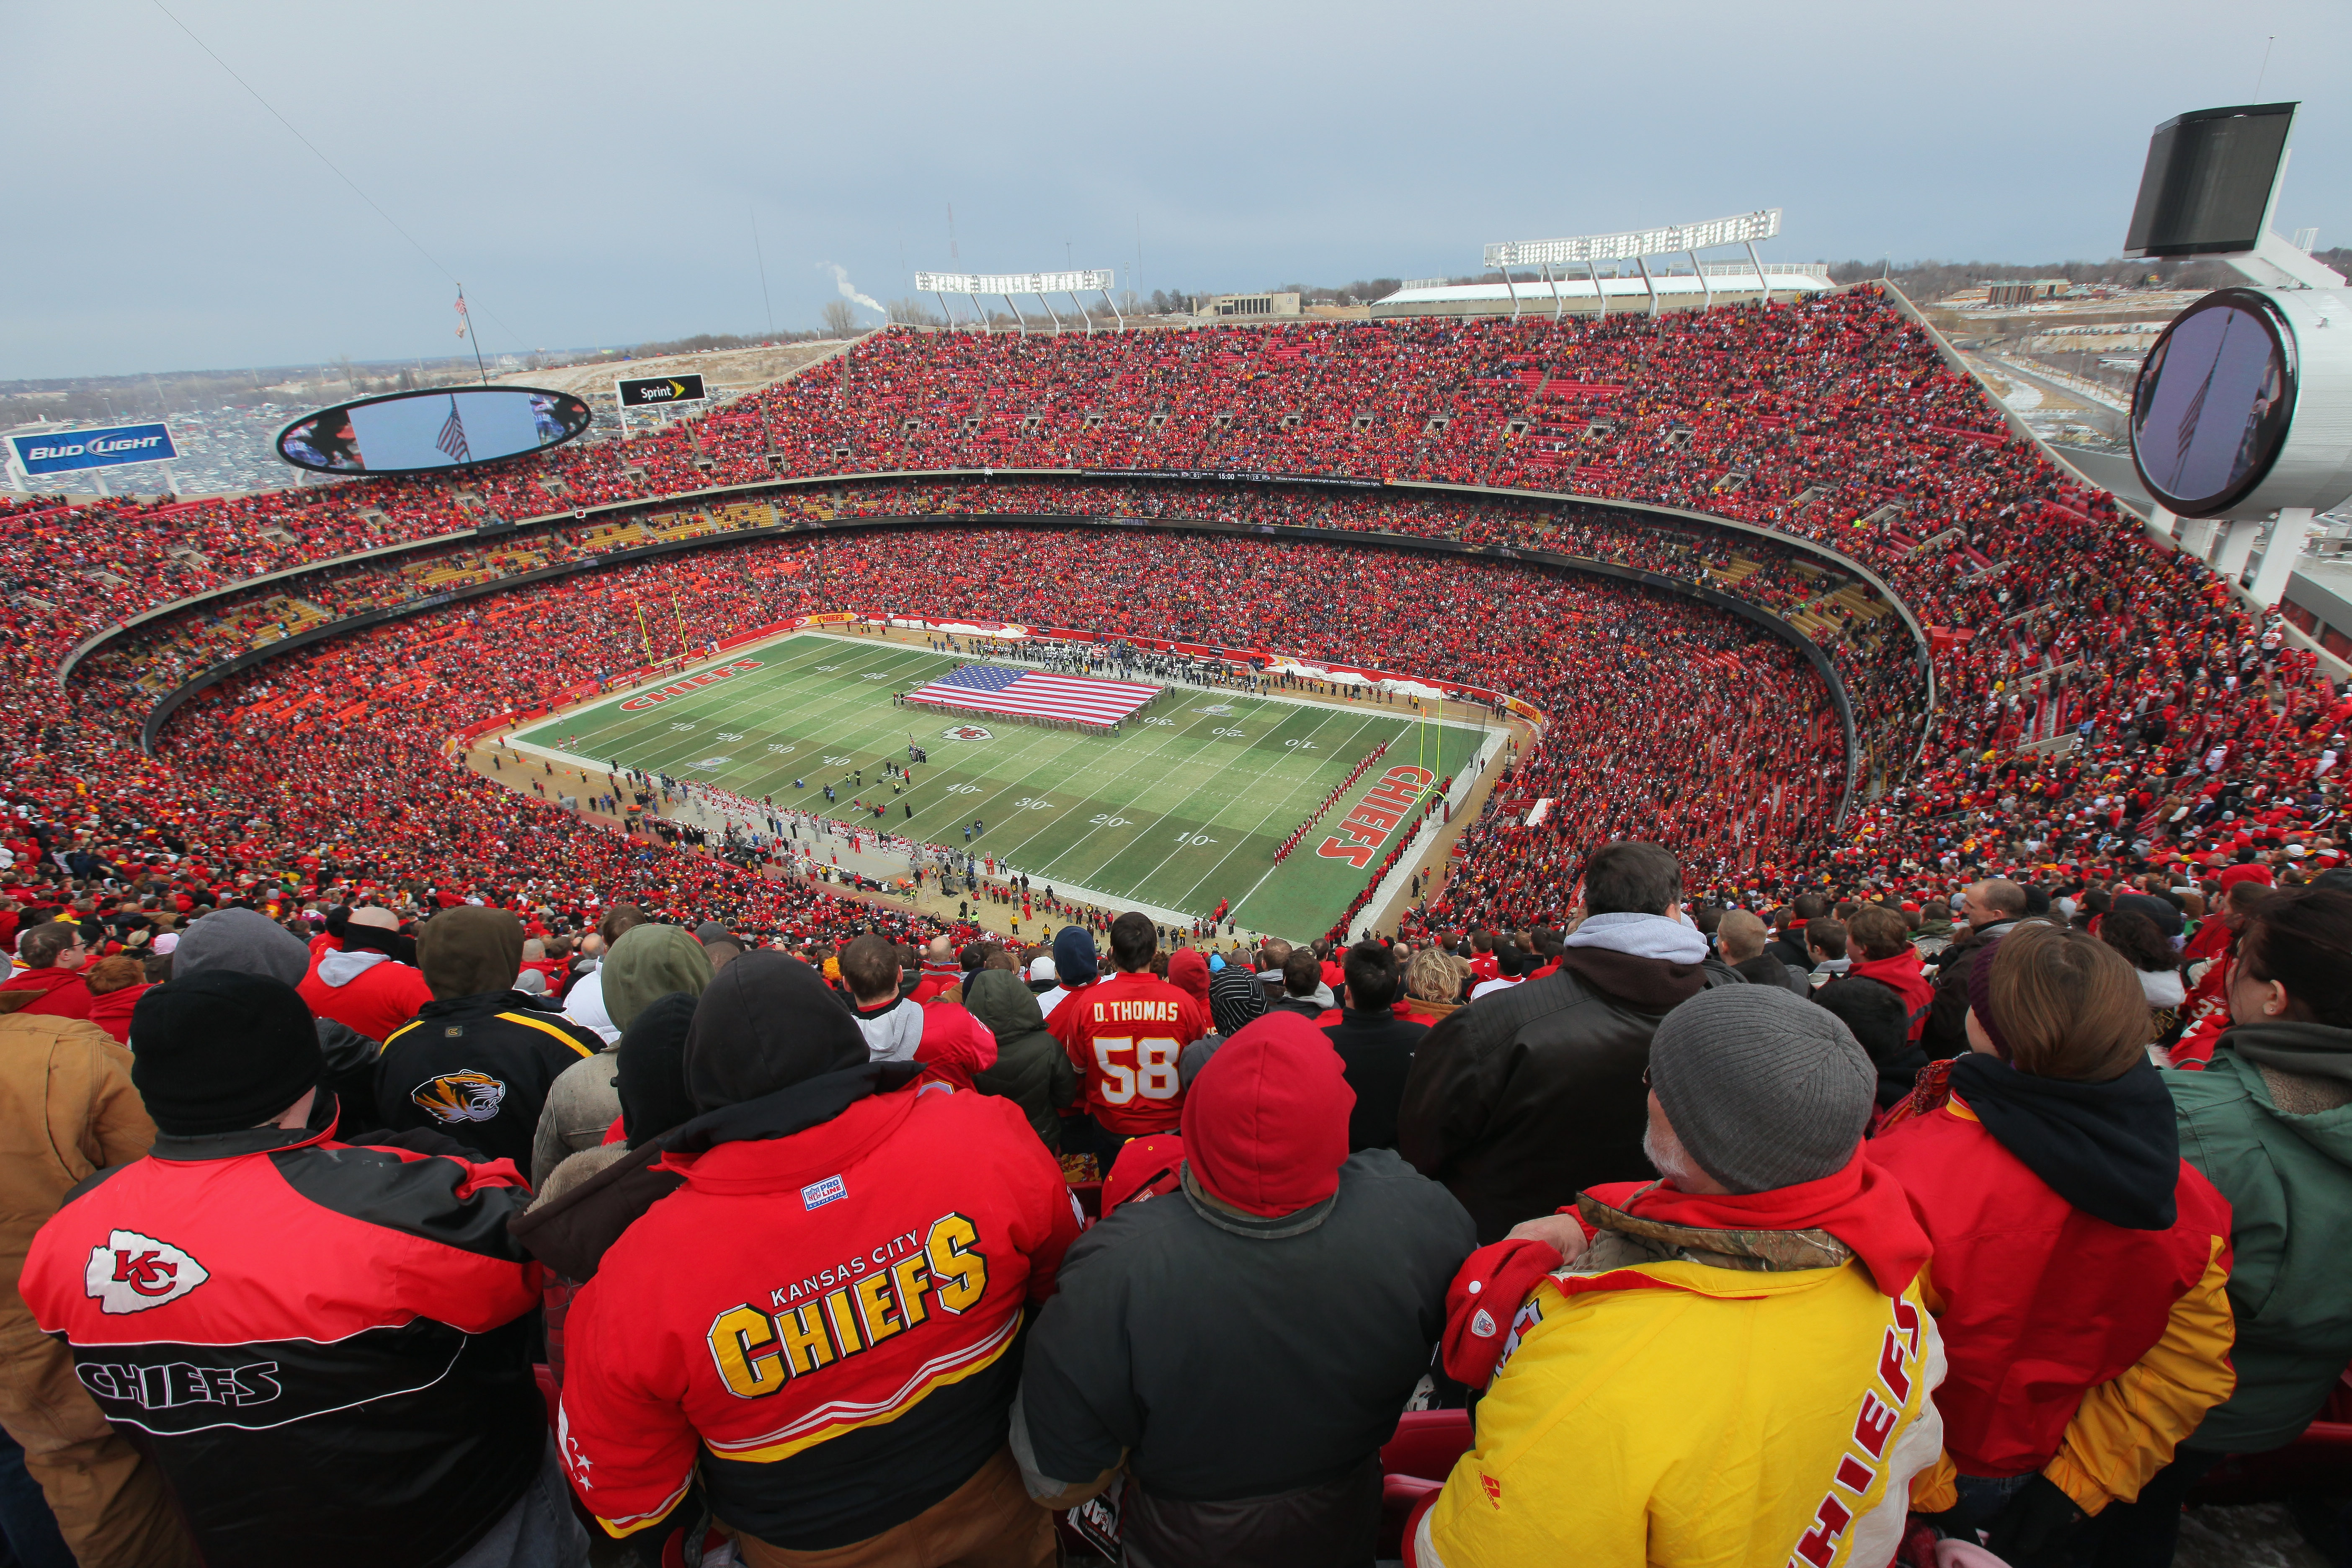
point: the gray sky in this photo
(591, 170)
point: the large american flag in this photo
(453, 437)
(1034, 694)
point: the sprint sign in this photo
(1362, 832)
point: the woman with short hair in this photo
(2080, 1263)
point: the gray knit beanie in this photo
(1764, 1088)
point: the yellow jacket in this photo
(1680, 1412)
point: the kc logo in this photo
(133, 1272)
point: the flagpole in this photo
(472, 336)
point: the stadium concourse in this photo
(1808, 639)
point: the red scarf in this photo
(1861, 1205)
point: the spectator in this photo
(1521, 1100)
(1269, 1450)
(1375, 1045)
(1888, 958)
(364, 975)
(1031, 1070)
(478, 1060)
(2263, 1122)
(406, 1340)
(1874, 1015)
(1682, 1382)
(721, 946)
(2079, 1261)
(1431, 984)
(2130, 932)
(1124, 1035)
(1303, 991)
(726, 1328)
(53, 955)
(115, 985)
(243, 941)
(1075, 965)
(584, 1002)
(1933, 932)
(1825, 949)
(1740, 943)
(649, 961)
(896, 1027)
(67, 1110)
(1992, 909)
(1788, 930)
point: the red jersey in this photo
(1123, 1035)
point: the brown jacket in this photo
(67, 1108)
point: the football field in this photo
(1185, 806)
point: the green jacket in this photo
(2288, 1178)
(1031, 1070)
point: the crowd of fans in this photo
(2072, 966)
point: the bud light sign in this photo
(67, 450)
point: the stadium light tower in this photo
(1006, 285)
(1637, 247)
(2242, 416)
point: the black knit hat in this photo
(218, 1051)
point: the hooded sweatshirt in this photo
(362, 985)
(1031, 1068)
(1903, 975)
(582, 1103)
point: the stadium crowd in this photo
(1987, 1113)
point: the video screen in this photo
(418, 432)
(2208, 180)
(2213, 403)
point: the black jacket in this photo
(1766, 969)
(1525, 1098)
(479, 1068)
(347, 1377)
(1376, 1048)
(1946, 1031)
(1251, 1368)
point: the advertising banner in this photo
(64, 451)
(647, 392)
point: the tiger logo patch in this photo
(453, 1097)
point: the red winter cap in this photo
(2235, 875)
(1146, 1168)
(1188, 970)
(1265, 1123)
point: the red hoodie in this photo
(112, 1012)
(66, 997)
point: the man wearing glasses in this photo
(53, 955)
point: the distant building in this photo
(2025, 293)
(1250, 305)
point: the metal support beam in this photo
(1558, 304)
(1514, 293)
(1700, 273)
(1763, 284)
(2279, 556)
(945, 314)
(1017, 314)
(1048, 303)
(1648, 282)
(1599, 299)
(2198, 535)
(1116, 313)
(2236, 542)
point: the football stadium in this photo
(1647, 904)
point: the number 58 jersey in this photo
(1123, 1036)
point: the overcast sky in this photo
(592, 171)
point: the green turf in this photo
(1181, 809)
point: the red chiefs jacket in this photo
(826, 1324)
(324, 1343)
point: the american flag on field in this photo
(1034, 694)
(453, 437)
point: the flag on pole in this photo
(452, 439)
(1076, 699)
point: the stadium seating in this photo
(1834, 421)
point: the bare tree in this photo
(840, 320)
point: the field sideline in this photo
(1185, 807)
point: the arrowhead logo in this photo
(677, 389)
(967, 732)
(133, 1272)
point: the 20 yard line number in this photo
(1152, 1076)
